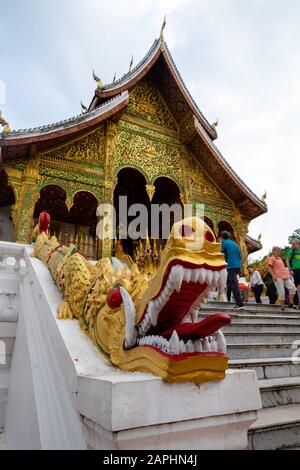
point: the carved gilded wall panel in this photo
(70, 187)
(146, 101)
(89, 148)
(151, 156)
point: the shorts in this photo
(282, 284)
(296, 277)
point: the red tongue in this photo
(202, 329)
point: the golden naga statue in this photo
(148, 322)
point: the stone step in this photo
(269, 368)
(215, 304)
(261, 337)
(252, 328)
(280, 391)
(259, 350)
(251, 311)
(244, 317)
(276, 428)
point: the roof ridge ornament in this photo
(215, 124)
(115, 76)
(130, 65)
(98, 80)
(83, 107)
(161, 36)
(264, 197)
(4, 124)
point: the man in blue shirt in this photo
(234, 265)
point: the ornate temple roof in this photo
(68, 126)
(111, 100)
(158, 49)
(221, 171)
(253, 245)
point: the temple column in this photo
(14, 177)
(150, 188)
(110, 180)
(27, 198)
(186, 196)
(241, 228)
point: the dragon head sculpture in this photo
(144, 324)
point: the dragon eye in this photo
(186, 231)
(209, 237)
(114, 298)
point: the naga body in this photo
(148, 321)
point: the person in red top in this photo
(281, 277)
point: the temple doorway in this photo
(166, 192)
(131, 184)
(77, 225)
(7, 200)
(227, 227)
(209, 222)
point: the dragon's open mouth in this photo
(169, 324)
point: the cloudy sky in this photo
(240, 60)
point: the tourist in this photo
(293, 264)
(233, 259)
(256, 284)
(244, 288)
(282, 278)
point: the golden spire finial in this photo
(83, 107)
(264, 197)
(131, 64)
(161, 37)
(4, 124)
(215, 124)
(98, 80)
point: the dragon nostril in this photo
(186, 231)
(114, 298)
(209, 237)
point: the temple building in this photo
(142, 136)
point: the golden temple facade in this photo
(142, 136)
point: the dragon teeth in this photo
(209, 277)
(190, 346)
(205, 345)
(221, 342)
(187, 275)
(177, 275)
(198, 346)
(222, 280)
(174, 346)
(201, 275)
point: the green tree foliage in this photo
(295, 235)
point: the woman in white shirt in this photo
(256, 284)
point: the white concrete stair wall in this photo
(64, 394)
(39, 411)
(9, 293)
